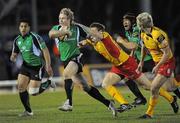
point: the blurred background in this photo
(44, 14)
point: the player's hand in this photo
(82, 43)
(66, 31)
(49, 70)
(13, 58)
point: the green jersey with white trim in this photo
(30, 47)
(68, 46)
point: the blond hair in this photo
(144, 20)
(69, 13)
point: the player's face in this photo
(146, 30)
(95, 30)
(126, 24)
(63, 20)
(24, 28)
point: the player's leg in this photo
(23, 82)
(37, 87)
(146, 84)
(155, 91)
(108, 81)
(140, 99)
(93, 92)
(176, 81)
(128, 69)
(70, 69)
(177, 92)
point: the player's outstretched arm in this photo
(127, 44)
(89, 31)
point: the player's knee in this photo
(145, 87)
(21, 89)
(154, 90)
(33, 91)
(66, 76)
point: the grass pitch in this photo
(85, 110)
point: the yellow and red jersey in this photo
(110, 50)
(153, 42)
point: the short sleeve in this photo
(82, 32)
(15, 47)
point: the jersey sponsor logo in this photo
(37, 75)
(161, 38)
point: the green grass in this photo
(86, 109)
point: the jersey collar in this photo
(25, 35)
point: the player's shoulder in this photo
(34, 34)
(56, 27)
(105, 34)
(135, 28)
(136, 31)
(157, 33)
(17, 37)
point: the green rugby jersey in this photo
(134, 36)
(68, 46)
(30, 47)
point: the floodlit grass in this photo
(86, 109)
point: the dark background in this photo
(44, 14)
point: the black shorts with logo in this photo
(33, 72)
(78, 60)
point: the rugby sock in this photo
(134, 89)
(177, 92)
(93, 92)
(116, 94)
(177, 83)
(69, 88)
(24, 96)
(152, 104)
(44, 86)
(166, 95)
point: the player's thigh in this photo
(158, 81)
(71, 69)
(110, 79)
(23, 82)
(169, 85)
(143, 81)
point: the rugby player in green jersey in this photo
(67, 35)
(33, 50)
